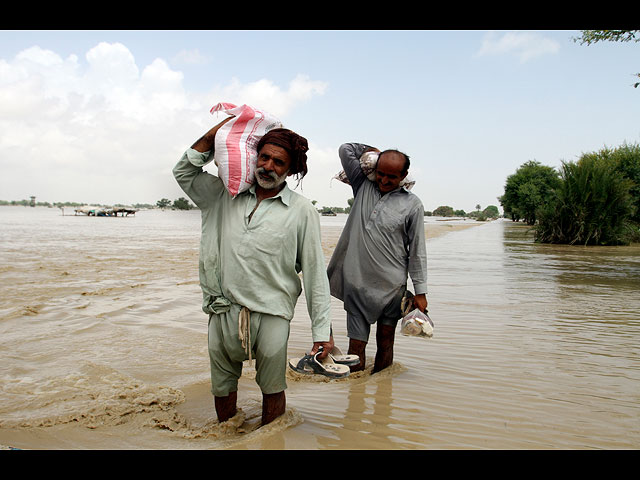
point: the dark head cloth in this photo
(293, 143)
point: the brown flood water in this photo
(103, 345)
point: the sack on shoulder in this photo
(235, 151)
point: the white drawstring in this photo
(244, 330)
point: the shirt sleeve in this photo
(201, 187)
(417, 250)
(350, 154)
(314, 276)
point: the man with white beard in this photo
(252, 249)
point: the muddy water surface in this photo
(103, 345)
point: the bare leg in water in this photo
(226, 406)
(385, 336)
(357, 347)
(273, 405)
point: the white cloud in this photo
(266, 95)
(524, 45)
(113, 128)
(39, 57)
(191, 57)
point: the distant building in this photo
(33, 201)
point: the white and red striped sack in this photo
(235, 151)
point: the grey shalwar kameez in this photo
(382, 243)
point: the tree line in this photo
(29, 203)
(488, 213)
(592, 201)
(178, 204)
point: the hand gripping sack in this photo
(235, 145)
(368, 162)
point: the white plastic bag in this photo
(368, 162)
(235, 147)
(417, 324)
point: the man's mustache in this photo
(272, 175)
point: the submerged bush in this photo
(592, 205)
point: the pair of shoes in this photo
(310, 364)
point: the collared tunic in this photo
(382, 243)
(256, 264)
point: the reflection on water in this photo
(103, 345)
(587, 297)
(535, 343)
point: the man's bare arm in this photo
(207, 141)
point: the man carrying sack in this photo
(382, 243)
(252, 249)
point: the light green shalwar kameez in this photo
(254, 264)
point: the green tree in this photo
(594, 36)
(626, 160)
(443, 211)
(528, 190)
(592, 205)
(491, 212)
(182, 204)
(163, 203)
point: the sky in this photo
(102, 116)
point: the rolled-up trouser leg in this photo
(358, 328)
